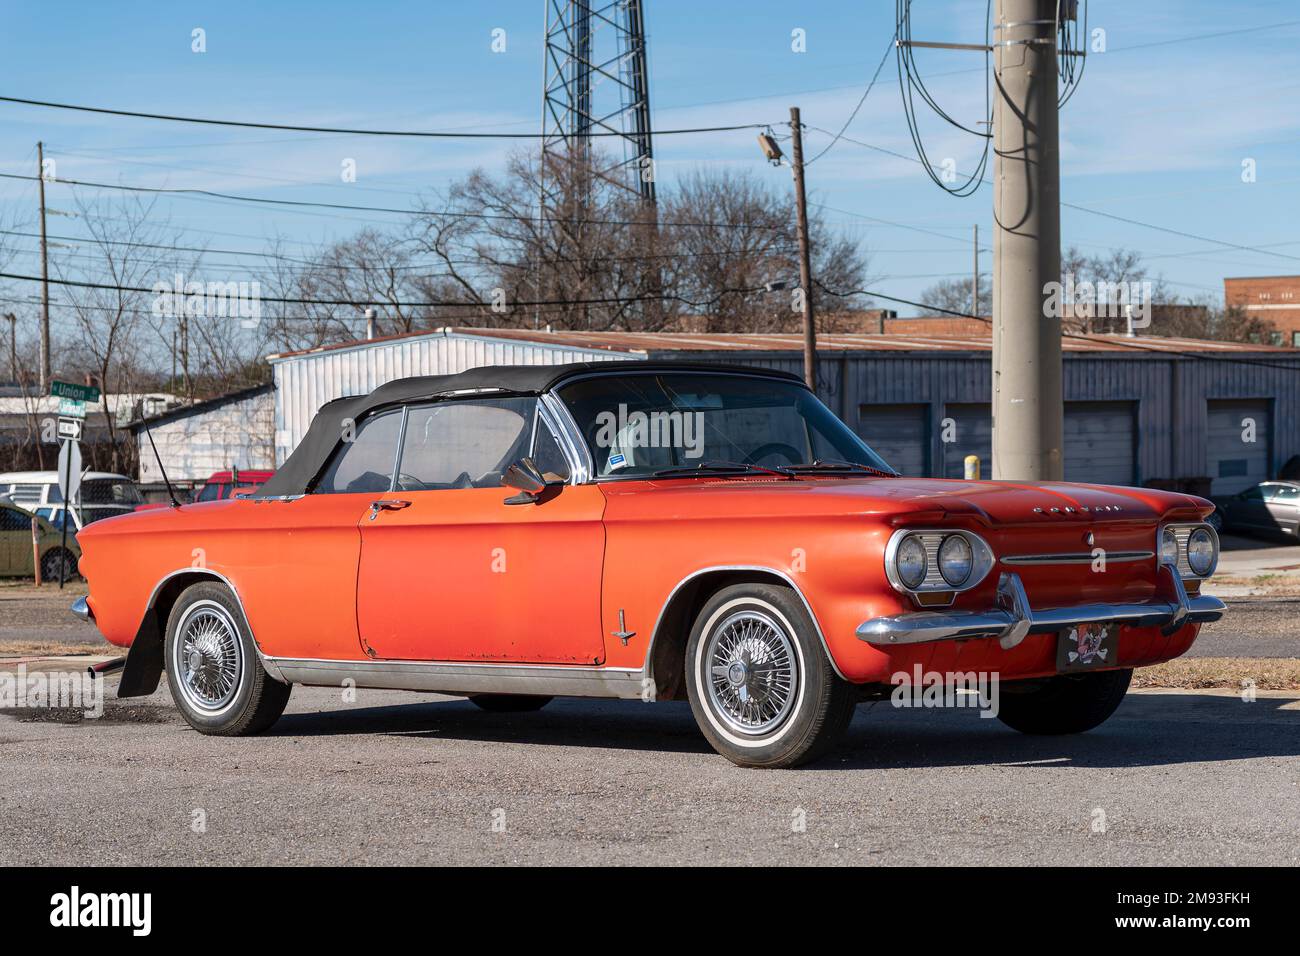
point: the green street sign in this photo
(71, 408)
(80, 393)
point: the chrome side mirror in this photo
(524, 476)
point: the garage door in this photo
(967, 430)
(1099, 443)
(1238, 442)
(900, 434)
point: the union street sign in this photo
(79, 393)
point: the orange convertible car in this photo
(650, 530)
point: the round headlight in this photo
(1200, 552)
(955, 559)
(910, 562)
(1169, 547)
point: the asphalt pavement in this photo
(398, 778)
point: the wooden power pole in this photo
(805, 259)
(46, 377)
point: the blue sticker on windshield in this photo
(616, 461)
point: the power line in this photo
(1263, 250)
(211, 194)
(425, 134)
(785, 250)
(865, 93)
(435, 303)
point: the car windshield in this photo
(665, 424)
(109, 491)
(210, 492)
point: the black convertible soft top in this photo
(310, 457)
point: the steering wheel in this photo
(788, 452)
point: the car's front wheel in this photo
(1068, 704)
(761, 687)
(213, 669)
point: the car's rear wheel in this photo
(1068, 704)
(58, 564)
(509, 703)
(761, 687)
(213, 669)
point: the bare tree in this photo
(114, 338)
(953, 295)
(731, 235)
(548, 230)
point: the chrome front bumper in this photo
(1013, 618)
(81, 608)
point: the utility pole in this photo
(805, 260)
(13, 346)
(185, 357)
(975, 275)
(1028, 412)
(46, 377)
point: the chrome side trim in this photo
(557, 680)
(1078, 557)
(570, 438)
(1014, 617)
(654, 635)
(81, 608)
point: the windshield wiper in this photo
(835, 465)
(721, 467)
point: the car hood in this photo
(993, 502)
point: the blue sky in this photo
(1157, 132)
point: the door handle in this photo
(387, 504)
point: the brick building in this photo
(1275, 299)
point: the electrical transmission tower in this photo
(596, 91)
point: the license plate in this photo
(1087, 646)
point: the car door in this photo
(1281, 502)
(451, 571)
(15, 533)
(1249, 510)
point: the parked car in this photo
(226, 484)
(103, 494)
(220, 486)
(17, 555)
(1270, 508)
(652, 531)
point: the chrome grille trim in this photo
(1078, 557)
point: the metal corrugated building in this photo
(1136, 409)
(304, 381)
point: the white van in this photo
(103, 495)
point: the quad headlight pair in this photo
(937, 560)
(954, 560)
(1193, 549)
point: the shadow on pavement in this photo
(1149, 730)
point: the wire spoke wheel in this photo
(208, 656)
(752, 675)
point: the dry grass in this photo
(53, 649)
(1267, 585)
(1199, 673)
